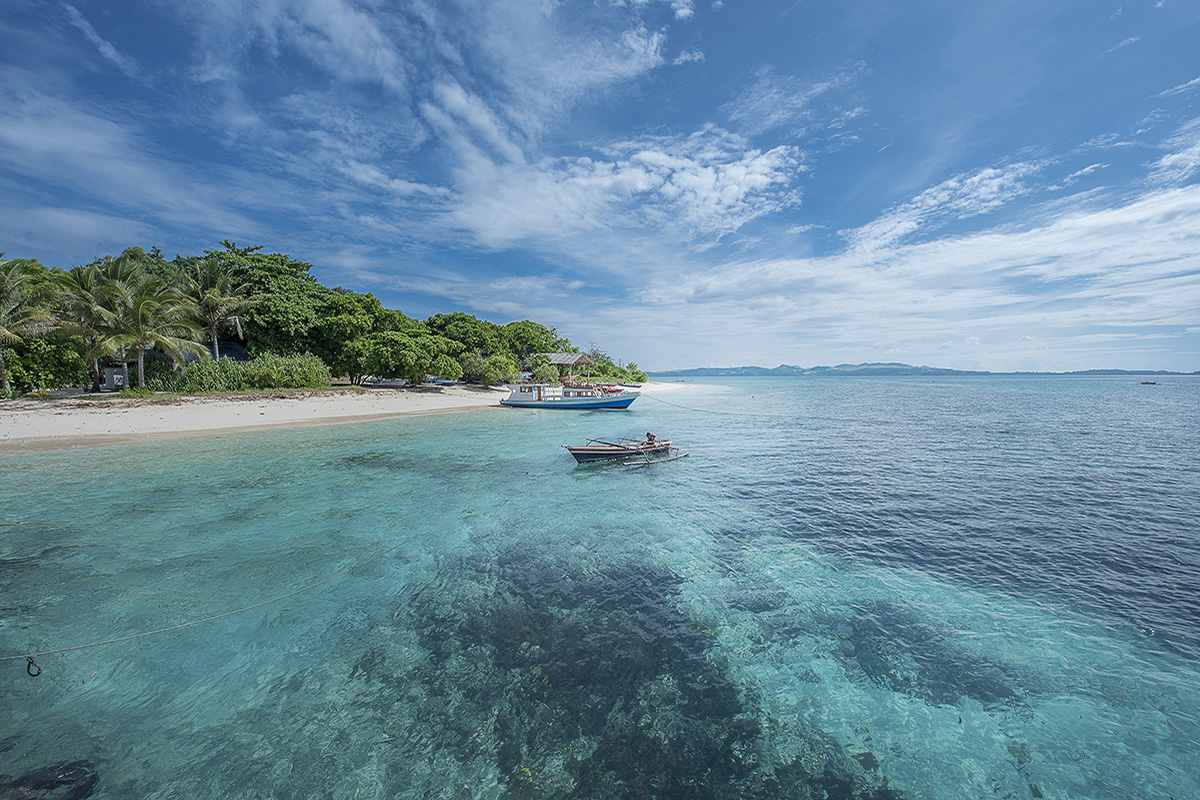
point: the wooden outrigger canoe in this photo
(601, 450)
(632, 452)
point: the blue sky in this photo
(1006, 185)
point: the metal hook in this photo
(31, 666)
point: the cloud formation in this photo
(106, 48)
(684, 182)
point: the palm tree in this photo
(217, 300)
(20, 314)
(117, 276)
(148, 313)
(83, 312)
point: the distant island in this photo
(885, 369)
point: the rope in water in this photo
(31, 659)
(709, 410)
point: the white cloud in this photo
(1182, 163)
(958, 198)
(1128, 275)
(1194, 83)
(540, 296)
(87, 234)
(370, 175)
(1107, 141)
(124, 63)
(545, 63)
(80, 149)
(350, 44)
(683, 9)
(1125, 43)
(455, 102)
(1088, 170)
(696, 188)
(775, 100)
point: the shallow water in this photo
(852, 588)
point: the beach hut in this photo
(568, 363)
(114, 378)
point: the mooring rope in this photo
(33, 669)
(711, 411)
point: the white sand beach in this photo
(105, 419)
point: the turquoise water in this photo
(852, 588)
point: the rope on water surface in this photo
(711, 411)
(34, 669)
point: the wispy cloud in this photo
(1124, 274)
(345, 41)
(691, 189)
(1182, 162)
(775, 100)
(682, 9)
(126, 64)
(1082, 173)
(1125, 43)
(24, 230)
(73, 146)
(1191, 85)
(958, 198)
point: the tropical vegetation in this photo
(173, 319)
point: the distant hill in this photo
(886, 369)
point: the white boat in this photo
(544, 395)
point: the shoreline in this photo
(91, 420)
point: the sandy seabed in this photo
(109, 419)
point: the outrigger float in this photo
(632, 452)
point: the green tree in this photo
(81, 308)
(46, 362)
(117, 277)
(544, 371)
(148, 313)
(342, 317)
(287, 297)
(444, 366)
(392, 354)
(473, 334)
(21, 312)
(525, 339)
(389, 354)
(472, 365)
(499, 368)
(216, 300)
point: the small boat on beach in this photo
(601, 450)
(576, 396)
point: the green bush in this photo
(46, 363)
(161, 375)
(297, 371)
(268, 371)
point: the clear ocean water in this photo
(852, 588)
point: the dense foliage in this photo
(169, 319)
(268, 371)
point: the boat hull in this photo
(616, 401)
(590, 454)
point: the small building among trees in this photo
(568, 363)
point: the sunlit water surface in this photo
(851, 588)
